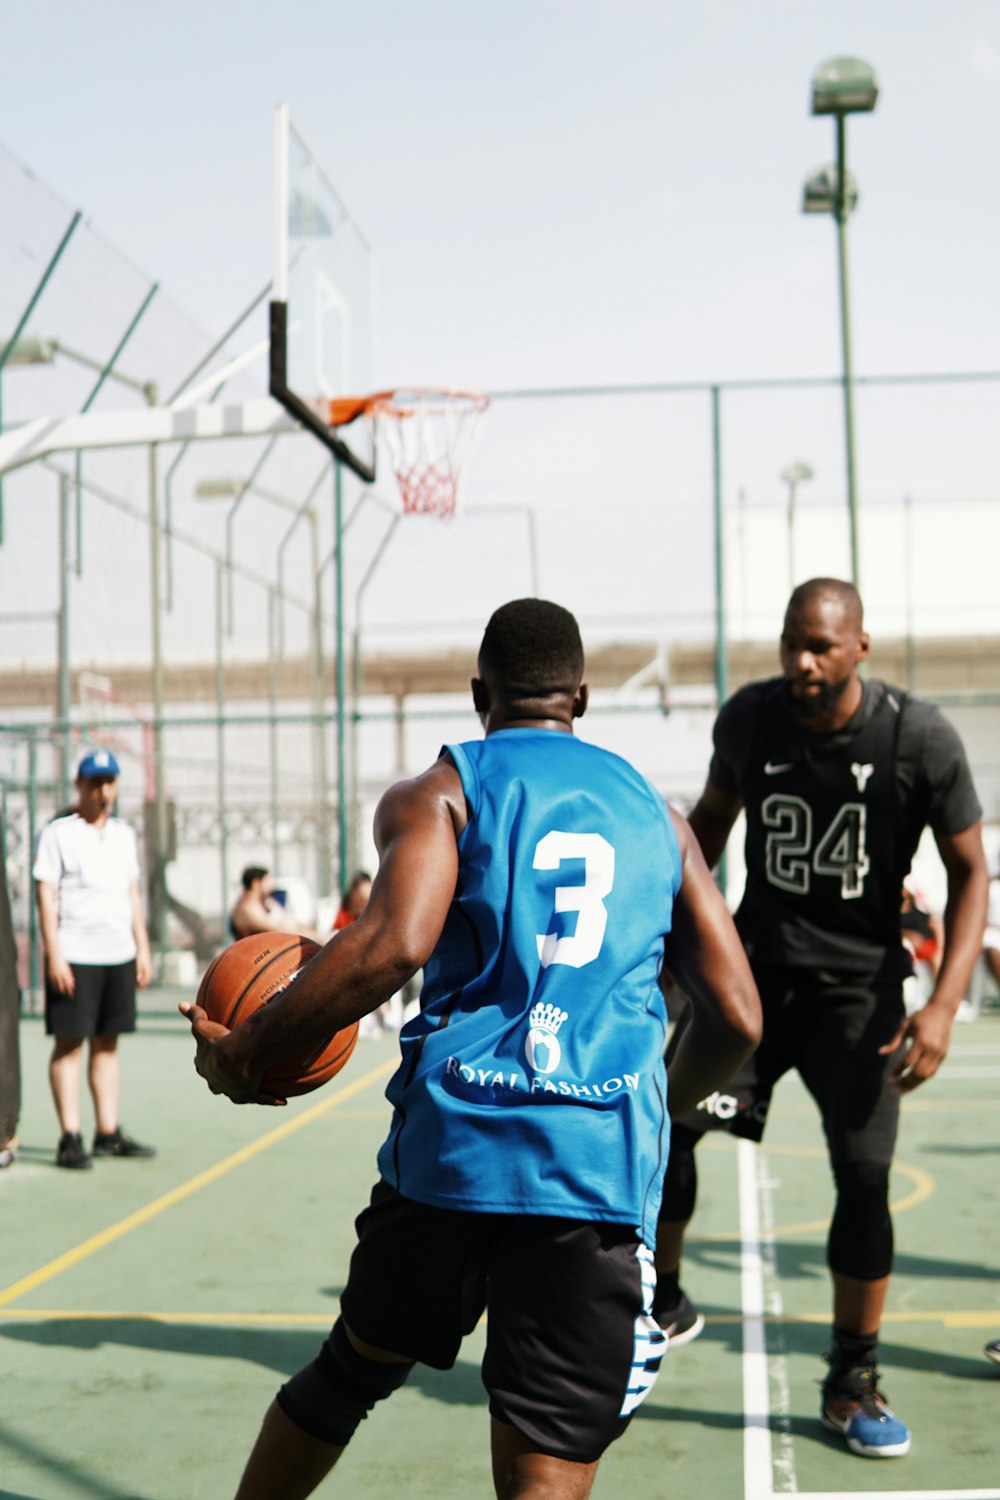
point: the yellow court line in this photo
(193, 1185)
(948, 1318)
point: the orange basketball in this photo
(251, 972)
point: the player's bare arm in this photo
(928, 1031)
(59, 972)
(143, 957)
(703, 953)
(711, 820)
(416, 829)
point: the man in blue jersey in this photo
(541, 884)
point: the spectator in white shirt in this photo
(86, 875)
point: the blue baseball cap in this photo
(97, 763)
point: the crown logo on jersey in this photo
(547, 1017)
(541, 1045)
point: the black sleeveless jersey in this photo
(833, 821)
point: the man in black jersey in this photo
(838, 777)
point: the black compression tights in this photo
(860, 1242)
(680, 1186)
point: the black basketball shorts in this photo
(571, 1345)
(103, 1003)
(829, 1028)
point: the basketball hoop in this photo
(429, 434)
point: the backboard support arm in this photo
(298, 408)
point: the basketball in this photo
(249, 974)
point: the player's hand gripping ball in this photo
(252, 972)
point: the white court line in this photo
(757, 1460)
(758, 1463)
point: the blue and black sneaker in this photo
(854, 1406)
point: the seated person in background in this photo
(258, 911)
(921, 930)
(991, 937)
(353, 901)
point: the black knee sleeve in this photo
(680, 1186)
(860, 1242)
(337, 1391)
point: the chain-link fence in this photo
(306, 647)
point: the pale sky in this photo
(567, 192)
(558, 191)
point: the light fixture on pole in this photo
(841, 87)
(27, 351)
(793, 476)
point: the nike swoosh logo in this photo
(772, 770)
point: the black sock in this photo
(849, 1349)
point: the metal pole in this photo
(721, 661)
(22, 323)
(272, 700)
(245, 486)
(845, 335)
(338, 532)
(791, 535)
(380, 552)
(33, 964)
(159, 893)
(220, 768)
(319, 724)
(305, 509)
(63, 696)
(168, 506)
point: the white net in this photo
(428, 436)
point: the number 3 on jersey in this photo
(582, 946)
(791, 860)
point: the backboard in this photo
(322, 312)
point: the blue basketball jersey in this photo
(532, 1081)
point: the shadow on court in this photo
(804, 1260)
(15, 1444)
(282, 1350)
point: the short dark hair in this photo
(532, 646)
(830, 588)
(252, 873)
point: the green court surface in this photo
(148, 1309)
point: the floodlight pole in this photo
(841, 87)
(793, 477)
(841, 213)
